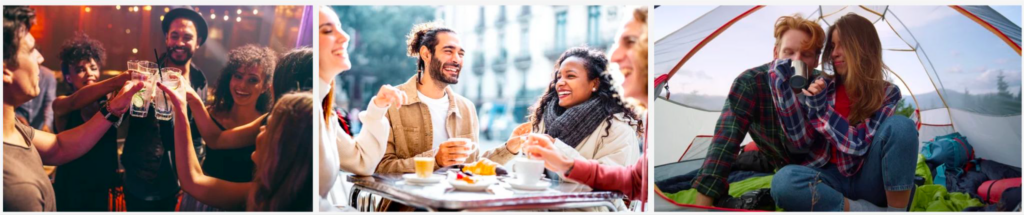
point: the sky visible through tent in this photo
(967, 57)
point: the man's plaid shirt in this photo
(748, 109)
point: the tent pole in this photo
(709, 38)
(917, 105)
(938, 91)
(989, 27)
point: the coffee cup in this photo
(528, 171)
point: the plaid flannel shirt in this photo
(851, 142)
(748, 109)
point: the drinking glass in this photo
(170, 77)
(145, 74)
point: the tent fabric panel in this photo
(677, 126)
(672, 48)
(1000, 24)
(995, 138)
(698, 148)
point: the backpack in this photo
(952, 150)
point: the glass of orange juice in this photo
(424, 167)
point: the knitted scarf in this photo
(574, 124)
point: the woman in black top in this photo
(242, 96)
(85, 183)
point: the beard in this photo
(438, 75)
(180, 62)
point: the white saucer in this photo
(412, 178)
(538, 186)
(481, 185)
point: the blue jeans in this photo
(888, 166)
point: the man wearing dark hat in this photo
(150, 180)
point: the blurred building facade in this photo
(510, 56)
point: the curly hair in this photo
(424, 34)
(80, 48)
(607, 92)
(18, 21)
(239, 58)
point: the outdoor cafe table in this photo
(442, 196)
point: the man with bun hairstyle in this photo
(435, 122)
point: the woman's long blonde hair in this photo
(640, 57)
(862, 51)
(284, 173)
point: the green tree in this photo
(377, 47)
(903, 108)
(1002, 86)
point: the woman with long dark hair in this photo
(866, 161)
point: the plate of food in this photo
(466, 182)
(475, 177)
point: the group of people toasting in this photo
(585, 127)
(252, 162)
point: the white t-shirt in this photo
(438, 117)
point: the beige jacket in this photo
(412, 133)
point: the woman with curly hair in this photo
(284, 147)
(242, 96)
(583, 113)
(631, 56)
(85, 183)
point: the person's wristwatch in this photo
(116, 120)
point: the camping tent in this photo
(958, 66)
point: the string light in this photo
(238, 19)
(88, 9)
(135, 8)
(226, 17)
(239, 11)
(118, 7)
(147, 8)
(135, 50)
(255, 11)
(213, 16)
(161, 17)
(167, 9)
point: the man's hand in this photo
(454, 151)
(703, 200)
(815, 87)
(122, 102)
(515, 142)
(388, 95)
